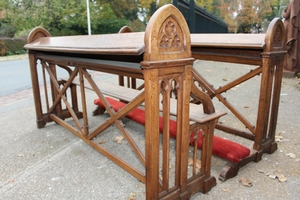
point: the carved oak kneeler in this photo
(164, 54)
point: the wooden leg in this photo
(36, 91)
(210, 181)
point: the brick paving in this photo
(15, 97)
(18, 96)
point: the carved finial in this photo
(275, 36)
(37, 33)
(167, 34)
(125, 29)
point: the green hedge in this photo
(11, 46)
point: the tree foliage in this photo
(69, 17)
(248, 16)
(148, 7)
(207, 4)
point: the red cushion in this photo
(223, 148)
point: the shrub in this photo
(23, 33)
(10, 46)
(7, 30)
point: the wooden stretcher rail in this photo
(127, 94)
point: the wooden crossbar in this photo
(127, 94)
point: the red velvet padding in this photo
(223, 148)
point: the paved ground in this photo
(52, 163)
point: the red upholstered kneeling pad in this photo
(223, 148)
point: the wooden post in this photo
(33, 35)
(272, 64)
(167, 58)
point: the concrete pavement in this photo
(52, 163)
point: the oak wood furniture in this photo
(267, 52)
(263, 50)
(163, 54)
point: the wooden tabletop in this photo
(114, 44)
(235, 41)
(133, 43)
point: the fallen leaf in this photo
(102, 141)
(277, 174)
(198, 164)
(278, 138)
(119, 139)
(191, 163)
(246, 106)
(281, 178)
(291, 155)
(222, 122)
(245, 182)
(225, 190)
(133, 194)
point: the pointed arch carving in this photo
(171, 37)
(172, 40)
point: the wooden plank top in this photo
(235, 41)
(133, 43)
(114, 44)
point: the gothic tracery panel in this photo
(171, 37)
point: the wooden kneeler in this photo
(167, 66)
